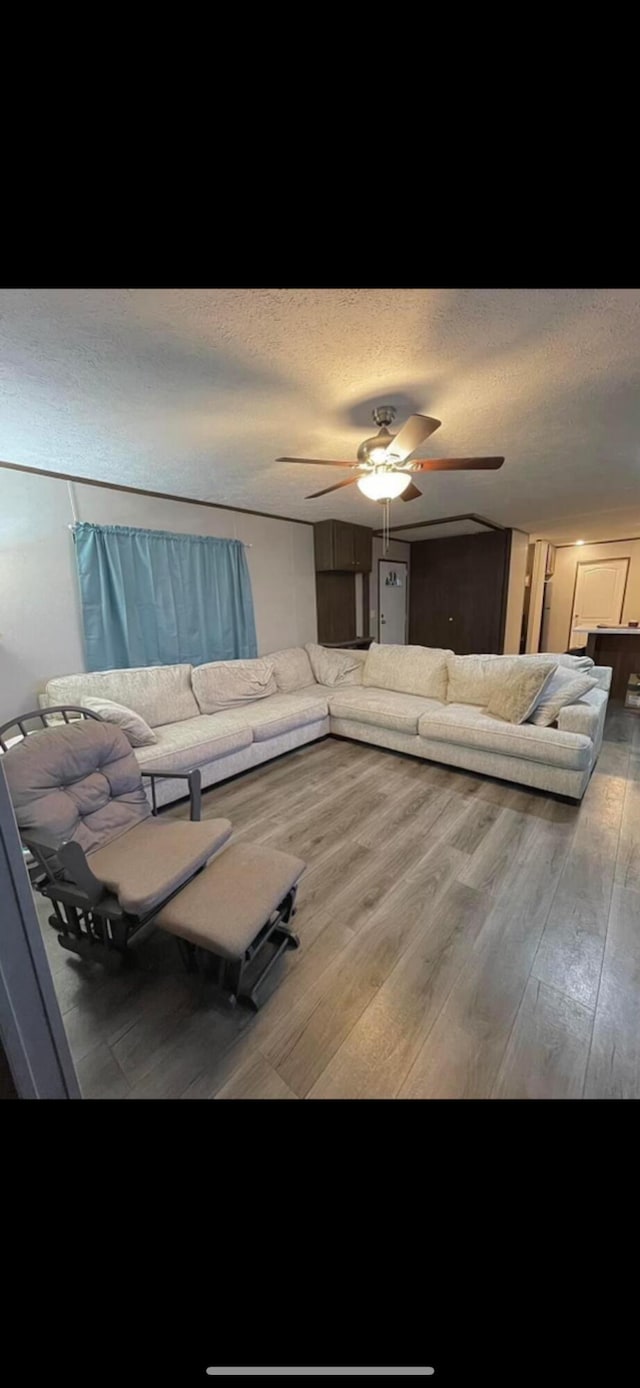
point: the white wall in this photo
(563, 583)
(40, 630)
(398, 549)
(515, 592)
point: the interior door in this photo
(392, 602)
(599, 595)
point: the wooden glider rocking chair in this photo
(112, 869)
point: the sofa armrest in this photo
(194, 779)
(586, 716)
(603, 674)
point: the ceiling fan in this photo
(385, 466)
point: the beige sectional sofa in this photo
(226, 717)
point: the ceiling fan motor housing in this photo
(379, 443)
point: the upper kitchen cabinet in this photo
(341, 547)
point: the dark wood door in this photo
(458, 592)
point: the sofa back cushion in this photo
(231, 683)
(571, 662)
(336, 667)
(80, 782)
(159, 693)
(408, 669)
(291, 669)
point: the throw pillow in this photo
(515, 699)
(138, 732)
(564, 687)
(473, 679)
(335, 667)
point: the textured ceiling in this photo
(197, 392)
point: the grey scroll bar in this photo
(385, 1372)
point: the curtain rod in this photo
(72, 526)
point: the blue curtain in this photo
(153, 598)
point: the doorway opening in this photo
(598, 596)
(393, 608)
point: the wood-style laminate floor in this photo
(461, 938)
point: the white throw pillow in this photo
(407, 669)
(564, 687)
(336, 667)
(231, 683)
(516, 697)
(138, 732)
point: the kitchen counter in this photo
(609, 631)
(613, 646)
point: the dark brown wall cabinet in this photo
(342, 551)
(458, 593)
(341, 547)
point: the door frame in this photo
(396, 563)
(31, 1026)
(591, 563)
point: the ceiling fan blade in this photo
(417, 428)
(411, 493)
(349, 483)
(455, 464)
(317, 462)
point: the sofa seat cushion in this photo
(180, 746)
(143, 867)
(467, 725)
(384, 708)
(283, 713)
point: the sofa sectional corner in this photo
(263, 712)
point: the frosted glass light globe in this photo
(384, 486)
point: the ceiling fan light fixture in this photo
(384, 486)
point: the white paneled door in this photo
(392, 601)
(599, 595)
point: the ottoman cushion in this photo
(225, 907)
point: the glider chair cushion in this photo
(149, 863)
(79, 782)
(82, 783)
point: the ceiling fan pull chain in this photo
(385, 524)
